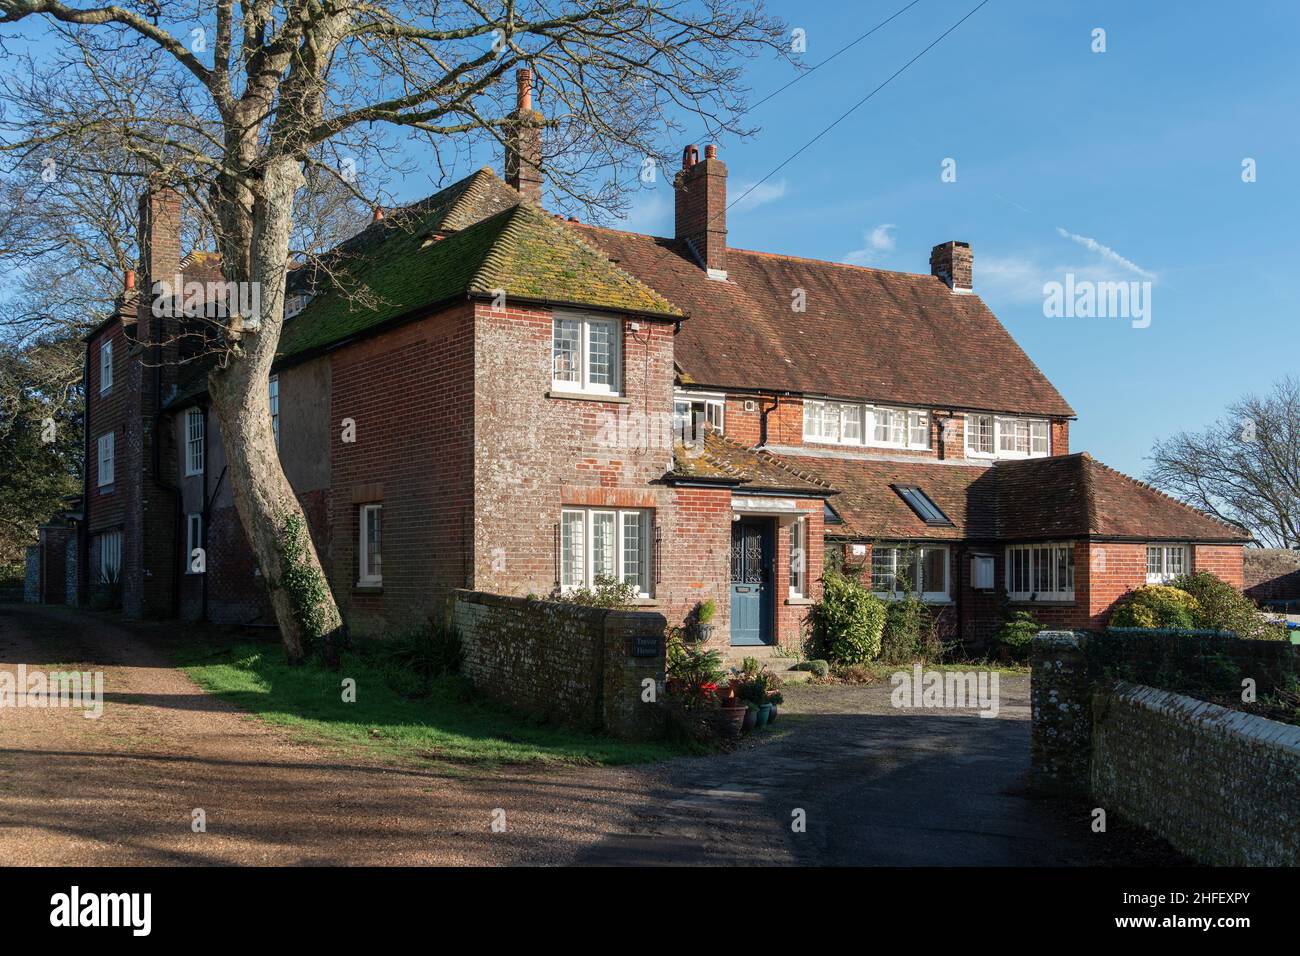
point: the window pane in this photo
(897, 427)
(831, 421)
(880, 425)
(918, 429)
(1065, 561)
(633, 550)
(812, 419)
(602, 546)
(1153, 560)
(571, 549)
(601, 360)
(853, 423)
(1176, 563)
(797, 558)
(1043, 565)
(374, 557)
(980, 436)
(1039, 441)
(566, 350)
(882, 570)
(934, 571)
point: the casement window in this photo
(598, 543)
(585, 354)
(1001, 436)
(106, 459)
(106, 368)
(370, 547)
(981, 572)
(193, 541)
(273, 394)
(693, 410)
(1040, 572)
(798, 558)
(865, 425)
(194, 440)
(110, 557)
(1166, 562)
(897, 570)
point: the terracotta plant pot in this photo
(734, 720)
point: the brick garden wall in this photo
(1220, 785)
(570, 664)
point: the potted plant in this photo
(755, 693)
(774, 698)
(702, 618)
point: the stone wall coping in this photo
(1069, 638)
(580, 611)
(1251, 728)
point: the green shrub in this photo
(608, 592)
(909, 633)
(847, 621)
(693, 667)
(1155, 605)
(819, 668)
(413, 659)
(1221, 607)
(1017, 633)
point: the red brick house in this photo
(498, 399)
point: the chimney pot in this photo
(953, 262)
(378, 214)
(690, 156)
(710, 152)
(129, 284)
(524, 143)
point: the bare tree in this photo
(1244, 468)
(254, 92)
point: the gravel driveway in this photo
(878, 786)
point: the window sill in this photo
(1045, 602)
(105, 489)
(589, 397)
(367, 589)
(799, 602)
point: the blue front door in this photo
(751, 581)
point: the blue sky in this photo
(1139, 148)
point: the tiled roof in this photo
(1074, 492)
(867, 334)
(1066, 496)
(521, 250)
(718, 458)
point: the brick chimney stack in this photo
(953, 262)
(524, 142)
(701, 207)
(160, 249)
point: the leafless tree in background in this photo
(1244, 468)
(247, 96)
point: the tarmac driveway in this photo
(878, 786)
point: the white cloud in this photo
(878, 243)
(1106, 252)
(756, 195)
(649, 213)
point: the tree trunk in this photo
(271, 514)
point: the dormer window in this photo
(873, 426)
(693, 410)
(1005, 436)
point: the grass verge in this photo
(451, 724)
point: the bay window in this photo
(899, 570)
(605, 543)
(585, 354)
(1040, 572)
(1166, 562)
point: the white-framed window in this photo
(1166, 562)
(110, 557)
(193, 541)
(1004, 436)
(605, 543)
(586, 354)
(273, 394)
(1040, 572)
(981, 572)
(693, 410)
(106, 367)
(370, 567)
(194, 442)
(843, 423)
(922, 569)
(798, 558)
(106, 459)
